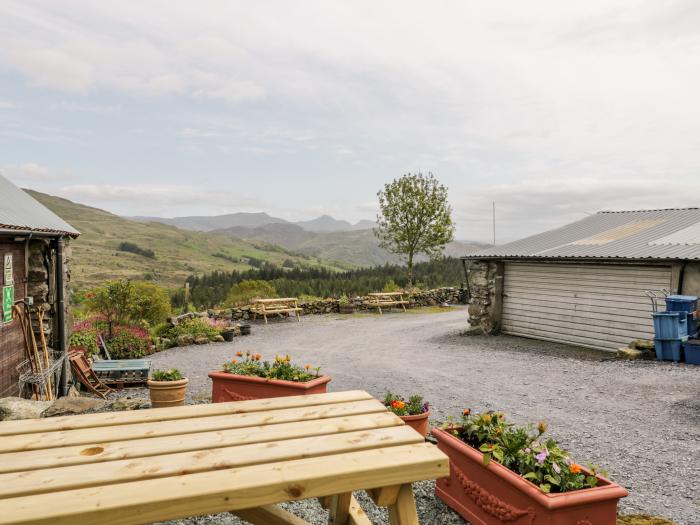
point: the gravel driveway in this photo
(639, 420)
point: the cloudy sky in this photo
(552, 109)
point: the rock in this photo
(13, 408)
(474, 330)
(184, 340)
(629, 353)
(218, 339)
(67, 406)
(643, 344)
(73, 392)
(201, 340)
(129, 403)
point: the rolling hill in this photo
(178, 253)
(358, 247)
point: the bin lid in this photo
(682, 298)
(669, 314)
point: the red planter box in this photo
(493, 495)
(232, 387)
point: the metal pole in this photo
(493, 208)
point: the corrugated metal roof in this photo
(19, 212)
(643, 234)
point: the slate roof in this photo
(21, 213)
(643, 234)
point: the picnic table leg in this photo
(403, 512)
(269, 515)
(339, 509)
(402, 304)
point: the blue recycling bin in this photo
(687, 304)
(692, 351)
(670, 325)
(669, 349)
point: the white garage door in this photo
(599, 306)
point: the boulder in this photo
(201, 340)
(218, 339)
(68, 406)
(13, 408)
(184, 340)
(129, 403)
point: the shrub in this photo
(391, 286)
(524, 451)
(172, 374)
(399, 406)
(245, 291)
(84, 335)
(134, 248)
(250, 364)
(124, 301)
(196, 327)
(129, 343)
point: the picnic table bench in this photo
(280, 305)
(244, 457)
(385, 299)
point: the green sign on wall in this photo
(8, 300)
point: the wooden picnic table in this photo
(278, 305)
(243, 457)
(385, 299)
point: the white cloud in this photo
(6, 104)
(73, 107)
(29, 171)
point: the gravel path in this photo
(639, 420)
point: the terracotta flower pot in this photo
(233, 387)
(167, 393)
(419, 422)
(493, 494)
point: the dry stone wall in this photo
(485, 296)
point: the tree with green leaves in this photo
(414, 217)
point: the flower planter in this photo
(493, 495)
(167, 393)
(346, 308)
(233, 387)
(419, 422)
(228, 335)
(245, 329)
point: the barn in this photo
(587, 282)
(35, 254)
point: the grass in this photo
(178, 253)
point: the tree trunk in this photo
(410, 270)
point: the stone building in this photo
(586, 283)
(35, 254)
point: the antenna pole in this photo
(493, 208)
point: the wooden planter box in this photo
(232, 387)
(493, 494)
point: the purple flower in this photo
(556, 468)
(542, 456)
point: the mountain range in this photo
(326, 238)
(206, 223)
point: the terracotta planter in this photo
(493, 494)
(167, 393)
(232, 387)
(419, 422)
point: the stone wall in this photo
(486, 295)
(434, 297)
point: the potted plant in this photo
(228, 334)
(167, 388)
(503, 473)
(345, 306)
(414, 412)
(249, 377)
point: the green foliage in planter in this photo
(524, 451)
(399, 406)
(251, 364)
(172, 374)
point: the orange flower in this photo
(239, 353)
(574, 468)
(398, 404)
(257, 356)
(308, 367)
(233, 361)
(466, 412)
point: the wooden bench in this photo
(244, 457)
(385, 299)
(265, 307)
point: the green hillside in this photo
(178, 253)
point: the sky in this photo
(554, 110)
